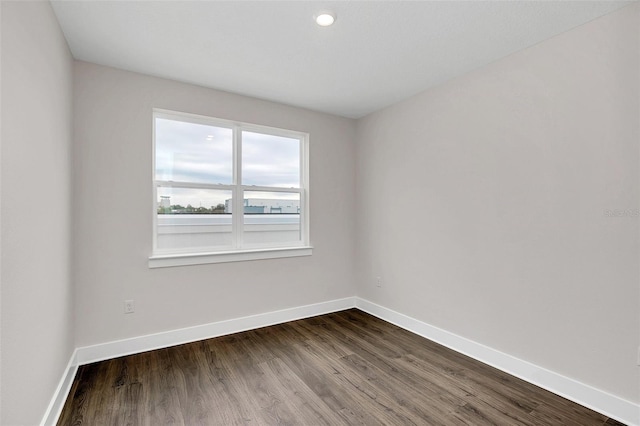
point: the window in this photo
(227, 191)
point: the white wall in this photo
(113, 204)
(37, 295)
(485, 205)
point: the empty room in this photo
(308, 213)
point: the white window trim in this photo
(168, 258)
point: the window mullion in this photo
(271, 189)
(172, 184)
(238, 194)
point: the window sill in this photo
(169, 260)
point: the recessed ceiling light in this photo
(325, 19)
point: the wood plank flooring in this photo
(343, 368)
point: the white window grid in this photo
(236, 187)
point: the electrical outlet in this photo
(129, 307)
(638, 355)
(378, 282)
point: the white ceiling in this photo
(376, 53)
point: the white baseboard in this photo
(600, 401)
(109, 350)
(102, 351)
(54, 409)
(590, 397)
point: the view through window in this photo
(222, 186)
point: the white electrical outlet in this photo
(378, 282)
(129, 307)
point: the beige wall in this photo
(481, 204)
(113, 197)
(37, 295)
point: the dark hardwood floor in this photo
(343, 368)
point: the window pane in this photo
(193, 218)
(271, 218)
(270, 160)
(188, 152)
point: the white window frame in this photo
(239, 252)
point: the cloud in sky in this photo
(270, 160)
(197, 153)
(188, 152)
